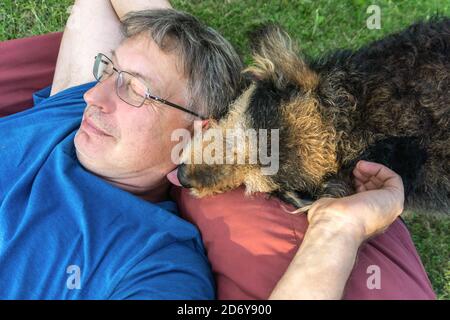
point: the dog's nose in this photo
(181, 175)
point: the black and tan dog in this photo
(388, 102)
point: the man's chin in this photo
(88, 154)
(86, 162)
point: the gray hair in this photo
(210, 63)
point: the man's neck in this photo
(159, 190)
(159, 194)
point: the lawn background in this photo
(318, 26)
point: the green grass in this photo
(318, 26)
(432, 239)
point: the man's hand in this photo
(377, 204)
(337, 227)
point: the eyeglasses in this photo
(128, 87)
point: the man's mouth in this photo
(92, 128)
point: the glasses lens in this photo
(103, 67)
(130, 89)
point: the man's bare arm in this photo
(93, 27)
(122, 7)
(337, 227)
(321, 267)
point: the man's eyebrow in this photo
(135, 73)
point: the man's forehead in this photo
(130, 64)
(163, 71)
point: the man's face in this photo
(136, 144)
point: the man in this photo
(83, 211)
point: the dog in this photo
(388, 102)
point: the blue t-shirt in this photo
(67, 234)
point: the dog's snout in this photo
(182, 177)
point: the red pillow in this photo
(250, 243)
(27, 65)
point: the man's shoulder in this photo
(171, 265)
(75, 94)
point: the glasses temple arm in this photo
(175, 106)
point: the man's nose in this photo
(102, 95)
(182, 177)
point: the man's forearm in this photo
(321, 267)
(93, 27)
(122, 7)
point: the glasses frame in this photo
(148, 95)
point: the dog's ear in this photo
(276, 59)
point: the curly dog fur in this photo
(388, 102)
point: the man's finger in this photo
(375, 169)
(382, 173)
(367, 177)
(359, 186)
(359, 175)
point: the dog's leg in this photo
(337, 186)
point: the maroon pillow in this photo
(26, 65)
(250, 243)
